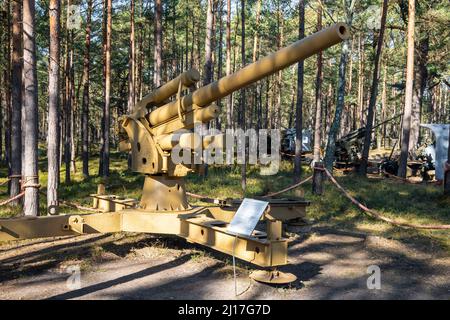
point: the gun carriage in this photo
(150, 134)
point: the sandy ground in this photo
(329, 264)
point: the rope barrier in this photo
(72, 204)
(377, 215)
(9, 178)
(294, 186)
(20, 195)
(26, 185)
(5, 182)
(218, 201)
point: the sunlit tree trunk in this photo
(30, 114)
(228, 65)
(406, 127)
(107, 81)
(208, 73)
(53, 108)
(242, 102)
(319, 76)
(280, 35)
(220, 6)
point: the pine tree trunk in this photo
(280, 22)
(106, 108)
(7, 84)
(53, 108)
(406, 127)
(85, 102)
(207, 74)
(73, 104)
(30, 107)
(67, 104)
(228, 65)
(384, 106)
(299, 104)
(360, 101)
(373, 93)
(420, 84)
(16, 102)
(158, 44)
(334, 129)
(220, 58)
(242, 102)
(319, 76)
(131, 63)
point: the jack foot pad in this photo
(272, 277)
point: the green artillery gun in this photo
(349, 147)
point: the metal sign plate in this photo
(247, 217)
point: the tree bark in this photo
(299, 104)
(131, 63)
(420, 82)
(280, 23)
(334, 129)
(107, 81)
(30, 106)
(207, 73)
(242, 102)
(16, 102)
(53, 108)
(409, 92)
(68, 103)
(86, 86)
(361, 82)
(158, 44)
(319, 76)
(7, 84)
(228, 65)
(220, 6)
(373, 93)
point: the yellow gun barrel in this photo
(164, 92)
(264, 67)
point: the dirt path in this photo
(328, 264)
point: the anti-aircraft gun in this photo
(151, 133)
(349, 147)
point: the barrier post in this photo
(317, 185)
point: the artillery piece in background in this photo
(163, 208)
(349, 148)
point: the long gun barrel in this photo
(264, 67)
(151, 136)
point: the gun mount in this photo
(150, 133)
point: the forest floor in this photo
(330, 257)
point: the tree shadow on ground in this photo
(121, 280)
